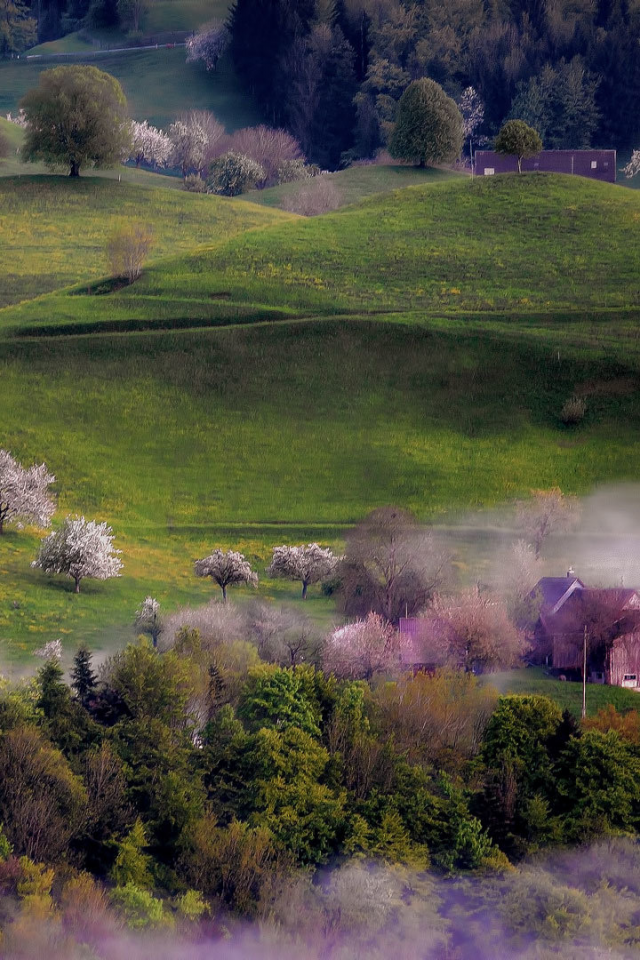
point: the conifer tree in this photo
(83, 679)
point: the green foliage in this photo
(599, 785)
(152, 686)
(560, 104)
(132, 865)
(191, 906)
(282, 697)
(139, 908)
(519, 140)
(428, 128)
(77, 115)
(5, 847)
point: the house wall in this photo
(623, 661)
(567, 653)
(577, 162)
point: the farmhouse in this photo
(606, 620)
(596, 164)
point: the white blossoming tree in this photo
(81, 548)
(148, 619)
(209, 44)
(24, 492)
(52, 650)
(308, 564)
(226, 569)
(149, 145)
(361, 649)
(194, 136)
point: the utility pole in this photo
(584, 673)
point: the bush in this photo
(127, 250)
(194, 183)
(291, 171)
(573, 411)
(317, 197)
(233, 173)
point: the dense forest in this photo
(333, 71)
(201, 783)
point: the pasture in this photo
(279, 382)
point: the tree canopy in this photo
(75, 116)
(429, 127)
(519, 140)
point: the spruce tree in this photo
(83, 679)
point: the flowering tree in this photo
(308, 564)
(81, 548)
(268, 146)
(148, 619)
(482, 636)
(226, 569)
(193, 137)
(631, 169)
(24, 493)
(52, 650)
(361, 649)
(472, 109)
(209, 44)
(149, 145)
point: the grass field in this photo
(356, 183)
(385, 353)
(567, 695)
(158, 85)
(54, 232)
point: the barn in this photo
(609, 619)
(595, 164)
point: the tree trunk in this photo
(224, 592)
(519, 164)
(422, 163)
(305, 586)
(77, 584)
(75, 169)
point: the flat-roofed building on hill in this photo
(595, 164)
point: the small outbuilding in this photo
(595, 164)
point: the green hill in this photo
(416, 349)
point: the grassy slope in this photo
(567, 695)
(158, 84)
(54, 232)
(249, 436)
(356, 183)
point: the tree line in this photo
(333, 72)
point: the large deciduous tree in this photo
(194, 137)
(517, 139)
(76, 115)
(24, 493)
(308, 564)
(482, 637)
(429, 127)
(226, 569)
(81, 548)
(391, 566)
(209, 44)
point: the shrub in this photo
(573, 411)
(314, 198)
(127, 250)
(291, 171)
(194, 183)
(233, 173)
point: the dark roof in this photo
(556, 590)
(613, 611)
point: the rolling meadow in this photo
(271, 378)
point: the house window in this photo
(594, 164)
(489, 171)
(630, 676)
